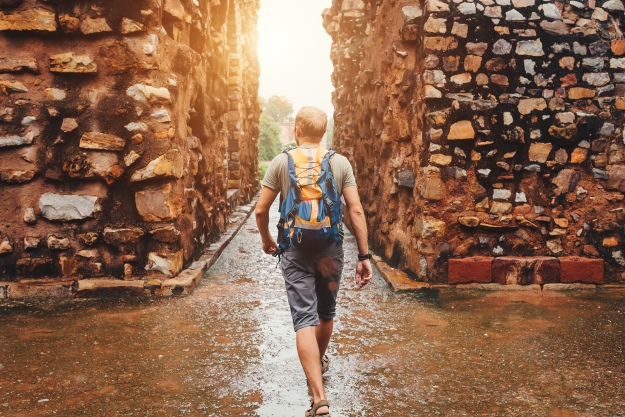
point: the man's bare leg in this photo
(323, 332)
(308, 351)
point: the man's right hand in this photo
(270, 246)
(363, 273)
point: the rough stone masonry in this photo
(487, 136)
(123, 124)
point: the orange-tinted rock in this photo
(568, 80)
(578, 155)
(580, 92)
(461, 130)
(539, 152)
(472, 63)
(440, 43)
(528, 105)
(618, 47)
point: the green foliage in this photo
(262, 168)
(269, 144)
(278, 107)
(330, 132)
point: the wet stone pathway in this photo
(228, 350)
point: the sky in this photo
(294, 52)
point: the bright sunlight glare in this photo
(294, 52)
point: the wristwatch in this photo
(362, 257)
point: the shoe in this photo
(325, 364)
(312, 412)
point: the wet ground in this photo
(228, 350)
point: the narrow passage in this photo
(228, 350)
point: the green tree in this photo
(330, 132)
(278, 107)
(269, 144)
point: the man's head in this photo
(311, 123)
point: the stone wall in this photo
(491, 128)
(122, 125)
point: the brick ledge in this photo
(400, 282)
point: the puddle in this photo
(228, 350)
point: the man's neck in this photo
(309, 142)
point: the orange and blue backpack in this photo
(311, 214)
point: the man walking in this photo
(312, 275)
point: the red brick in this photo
(577, 269)
(465, 270)
(547, 270)
(511, 270)
(525, 270)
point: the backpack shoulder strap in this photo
(292, 174)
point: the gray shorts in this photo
(312, 282)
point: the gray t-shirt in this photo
(277, 175)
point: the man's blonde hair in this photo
(313, 122)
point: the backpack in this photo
(311, 213)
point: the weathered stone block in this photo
(67, 207)
(528, 105)
(58, 243)
(90, 26)
(461, 130)
(16, 176)
(70, 63)
(584, 270)
(580, 93)
(154, 95)
(466, 270)
(433, 188)
(429, 227)
(31, 19)
(102, 141)
(616, 179)
(440, 43)
(34, 267)
(157, 205)
(5, 247)
(167, 234)
(8, 64)
(18, 290)
(539, 152)
(108, 288)
(8, 86)
(169, 264)
(169, 165)
(130, 26)
(119, 237)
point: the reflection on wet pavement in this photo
(228, 350)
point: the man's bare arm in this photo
(359, 225)
(266, 199)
